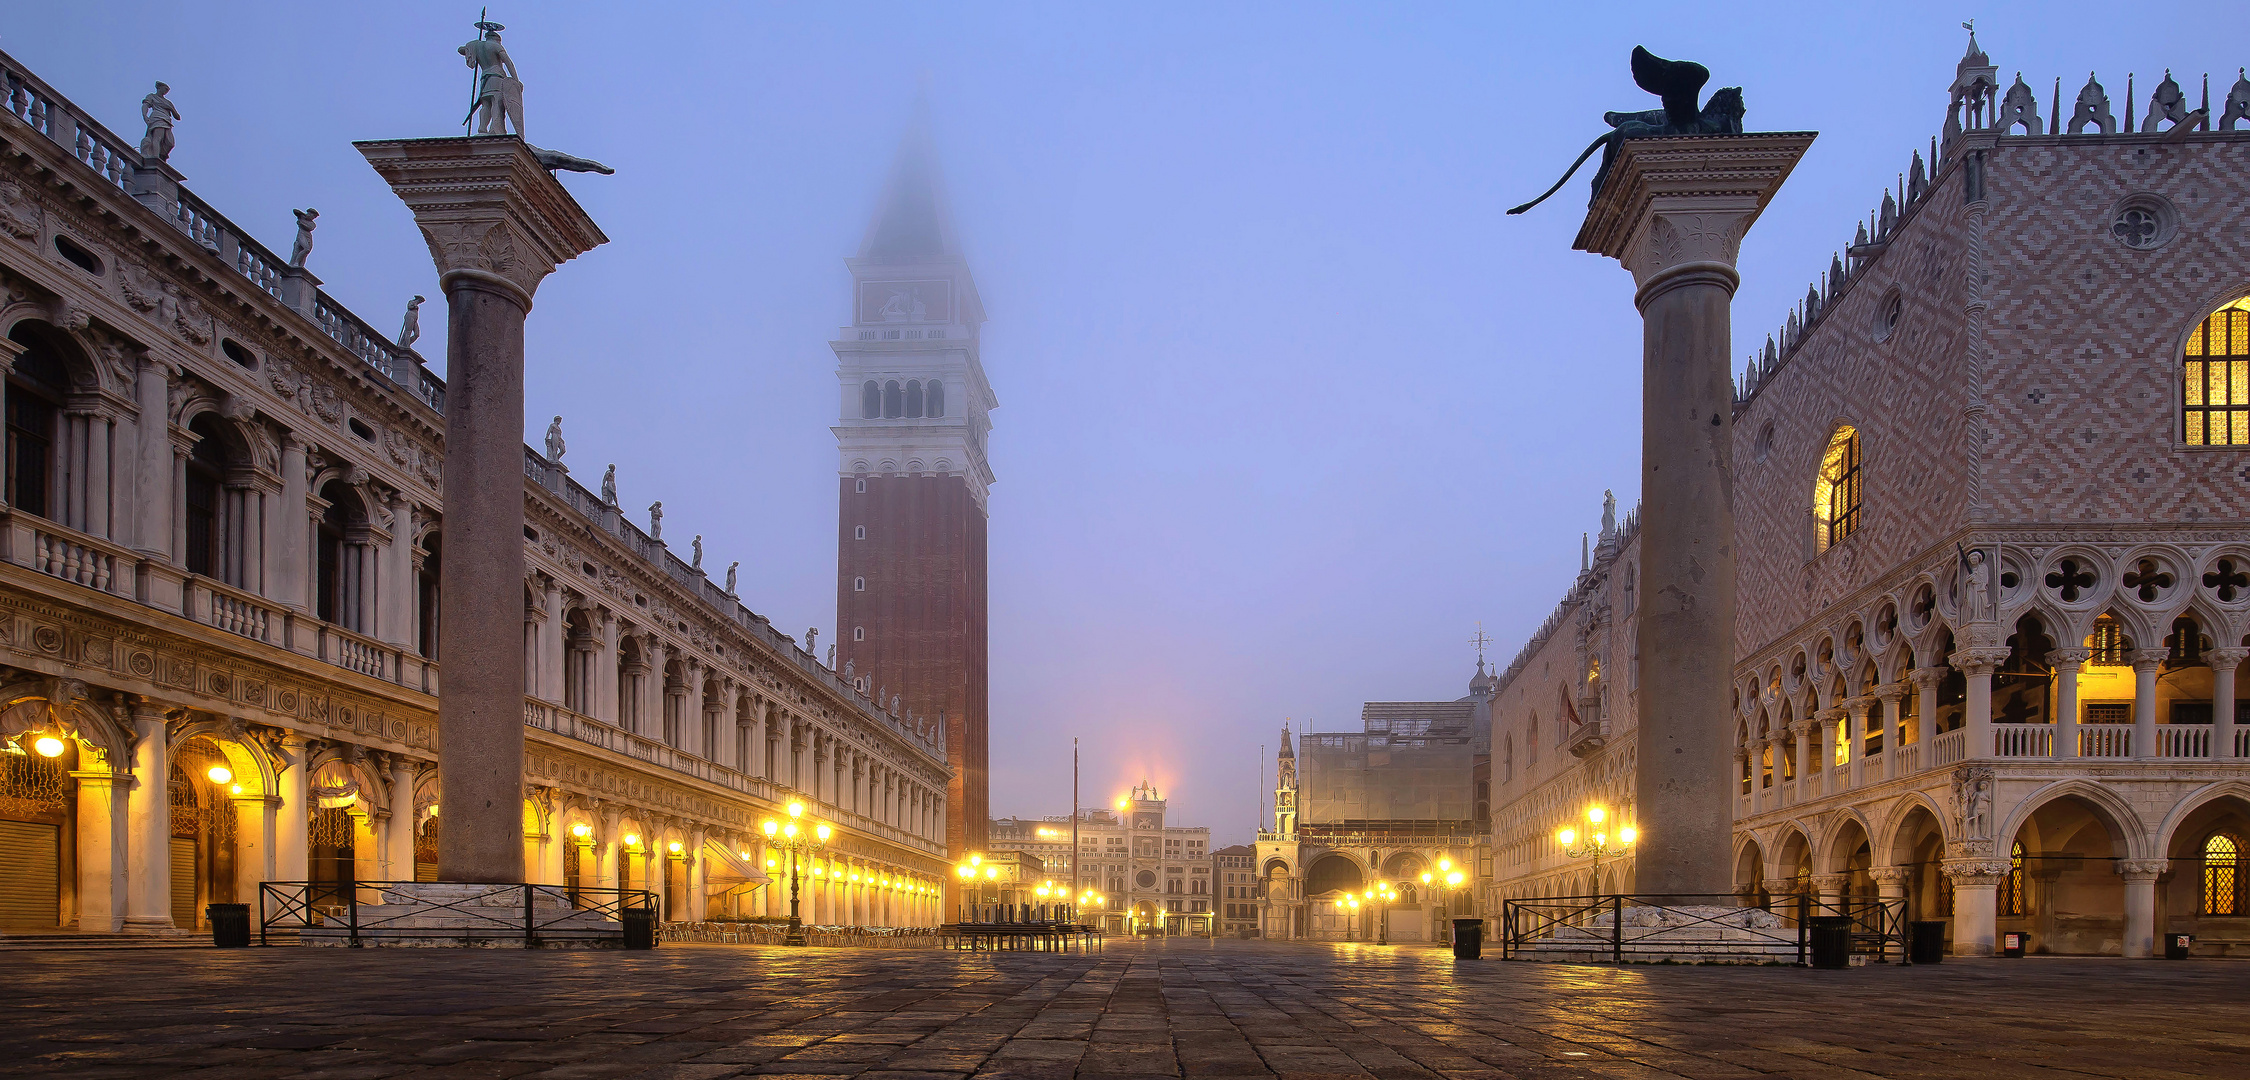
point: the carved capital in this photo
(2072, 656)
(493, 218)
(2223, 657)
(1891, 692)
(2142, 869)
(2149, 659)
(1674, 209)
(1975, 871)
(1829, 883)
(1926, 678)
(1974, 662)
(1890, 875)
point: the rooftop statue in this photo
(411, 330)
(609, 485)
(158, 112)
(301, 249)
(1676, 82)
(555, 445)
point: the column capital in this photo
(2142, 869)
(1891, 692)
(1829, 883)
(1674, 209)
(1975, 871)
(1975, 662)
(2149, 659)
(2072, 656)
(2226, 656)
(1926, 678)
(1890, 875)
(492, 217)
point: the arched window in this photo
(2215, 379)
(914, 398)
(35, 392)
(428, 573)
(632, 667)
(894, 400)
(2222, 877)
(206, 473)
(2108, 644)
(935, 399)
(1836, 490)
(870, 400)
(2011, 887)
(346, 563)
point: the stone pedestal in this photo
(497, 224)
(1674, 211)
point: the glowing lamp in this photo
(582, 830)
(1567, 836)
(1594, 814)
(48, 746)
(1425, 877)
(237, 789)
(1444, 865)
(823, 830)
(770, 826)
(220, 774)
(965, 872)
(975, 859)
(1453, 878)
(992, 872)
(632, 840)
(773, 864)
(796, 809)
(433, 809)
(674, 847)
(789, 830)
(1627, 834)
(745, 855)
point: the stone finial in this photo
(2168, 103)
(301, 248)
(2018, 107)
(2093, 108)
(2238, 101)
(158, 114)
(410, 331)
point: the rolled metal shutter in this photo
(183, 883)
(30, 875)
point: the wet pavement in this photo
(1188, 1010)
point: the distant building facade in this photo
(1235, 870)
(1154, 876)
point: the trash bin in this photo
(640, 927)
(2178, 946)
(2012, 944)
(1468, 939)
(230, 925)
(1928, 942)
(1831, 941)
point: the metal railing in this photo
(1627, 927)
(535, 913)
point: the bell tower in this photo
(1285, 787)
(913, 478)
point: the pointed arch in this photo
(2126, 830)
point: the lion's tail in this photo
(1572, 171)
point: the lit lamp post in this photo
(797, 840)
(1451, 879)
(1381, 897)
(1596, 842)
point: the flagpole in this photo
(1074, 821)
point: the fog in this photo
(1287, 408)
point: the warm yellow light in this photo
(823, 831)
(237, 789)
(1567, 836)
(1598, 839)
(796, 809)
(1627, 834)
(220, 774)
(1594, 814)
(965, 872)
(992, 872)
(745, 855)
(1425, 877)
(1453, 878)
(582, 830)
(433, 809)
(789, 830)
(975, 859)
(1123, 803)
(770, 826)
(674, 847)
(855, 875)
(48, 746)
(1444, 865)
(773, 864)
(632, 840)
(817, 871)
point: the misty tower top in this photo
(913, 477)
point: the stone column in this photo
(148, 831)
(1976, 884)
(398, 843)
(394, 580)
(604, 659)
(2145, 663)
(697, 907)
(1888, 723)
(1977, 666)
(292, 545)
(1674, 211)
(2140, 903)
(292, 843)
(102, 879)
(606, 846)
(152, 486)
(2067, 664)
(1828, 889)
(496, 224)
(1855, 732)
(253, 846)
(2224, 660)
(1890, 882)
(551, 643)
(1926, 682)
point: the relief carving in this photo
(19, 214)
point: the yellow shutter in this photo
(183, 883)
(30, 875)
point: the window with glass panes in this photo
(2215, 379)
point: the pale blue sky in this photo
(1287, 405)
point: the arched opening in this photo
(38, 827)
(1836, 489)
(2209, 891)
(1330, 884)
(1750, 876)
(37, 386)
(345, 564)
(632, 672)
(894, 400)
(1952, 689)
(1919, 846)
(205, 476)
(2022, 688)
(2070, 899)
(429, 577)
(935, 406)
(675, 701)
(1796, 864)
(2214, 378)
(914, 399)
(870, 400)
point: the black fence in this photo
(1721, 928)
(1035, 936)
(480, 914)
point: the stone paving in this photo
(1194, 1010)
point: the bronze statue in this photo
(1676, 82)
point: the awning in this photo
(723, 866)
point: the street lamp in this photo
(1452, 879)
(1381, 897)
(1596, 841)
(797, 840)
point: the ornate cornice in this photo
(490, 214)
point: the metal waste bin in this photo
(230, 925)
(640, 927)
(1928, 943)
(1831, 941)
(2013, 943)
(1468, 939)
(2178, 946)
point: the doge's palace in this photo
(221, 555)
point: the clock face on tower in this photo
(926, 301)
